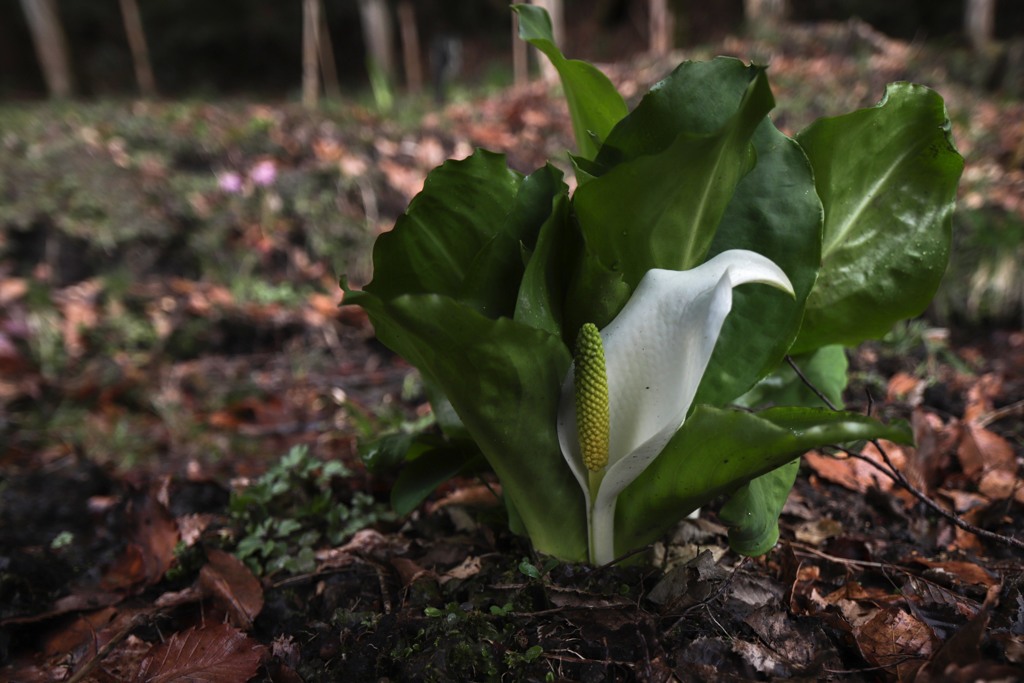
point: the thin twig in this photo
(808, 550)
(897, 476)
(94, 661)
(623, 558)
(808, 384)
(999, 414)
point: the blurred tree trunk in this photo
(310, 53)
(520, 55)
(327, 64)
(51, 45)
(376, 21)
(137, 44)
(554, 8)
(765, 11)
(661, 28)
(979, 23)
(410, 46)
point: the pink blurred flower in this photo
(264, 173)
(229, 182)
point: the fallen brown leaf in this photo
(479, 495)
(12, 289)
(470, 567)
(961, 653)
(904, 387)
(80, 634)
(129, 569)
(408, 181)
(981, 394)
(230, 583)
(925, 466)
(896, 641)
(876, 596)
(852, 473)
(983, 451)
(410, 572)
(150, 550)
(1000, 485)
(959, 571)
(212, 654)
(926, 593)
(817, 531)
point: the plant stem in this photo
(600, 525)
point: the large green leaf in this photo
(718, 451)
(697, 98)
(596, 294)
(594, 103)
(774, 212)
(503, 379)
(752, 512)
(492, 279)
(887, 177)
(432, 247)
(661, 210)
(546, 278)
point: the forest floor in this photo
(184, 410)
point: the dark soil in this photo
(448, 594)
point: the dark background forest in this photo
(233, 47)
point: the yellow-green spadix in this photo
(591, 391)
(655, 353)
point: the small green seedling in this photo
(293, 508)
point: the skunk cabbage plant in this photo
(615, 355)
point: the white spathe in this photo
(656, 351)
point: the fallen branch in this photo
(891, 471)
